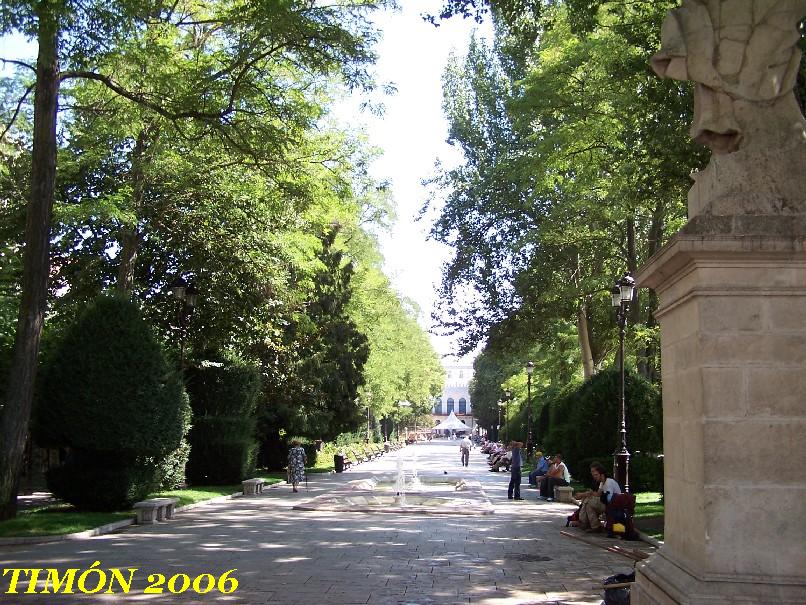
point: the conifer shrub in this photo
(110, 398)
(223, 396)
(583, 424)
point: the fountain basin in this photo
(439, 495)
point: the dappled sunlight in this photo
(285, 556)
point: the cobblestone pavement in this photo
(516, 555)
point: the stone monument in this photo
(732, 312)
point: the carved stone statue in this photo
(743, 57)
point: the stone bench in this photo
(252, 487)
(155, 509)
(564, 493)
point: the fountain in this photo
(405, 491)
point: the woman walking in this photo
(296, 464)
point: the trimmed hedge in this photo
(109, 396)
(582, 423)
(223, 396)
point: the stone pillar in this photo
(732, 313)
(733, 347)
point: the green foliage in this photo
(594, 154)
(646, 472)
(172, 467)
(102, 481)
(583, 423)
(223, 395)
(110, 397)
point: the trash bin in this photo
(387, 447)
(338, 462)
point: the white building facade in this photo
(455, 397)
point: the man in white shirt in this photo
(464, 450)
(557, 475)
(595, 502)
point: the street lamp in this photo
(622, 294)
(498, 428)
(530, 367)
(187, 294)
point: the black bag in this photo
(618, 596)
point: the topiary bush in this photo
(583, 423)
(223, 395)
(109, 396)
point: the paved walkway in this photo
(516, 555)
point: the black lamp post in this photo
(498, 430)
(622, 294)
(530, 367)
(187, 294)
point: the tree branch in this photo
(16, 112)
(141, 99)
(18, 63)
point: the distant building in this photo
(455, 397)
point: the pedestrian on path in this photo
(514, 491)
(464, 450)
(296, 464)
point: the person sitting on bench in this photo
(557, 475)
(541, 468)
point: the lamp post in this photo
(530, 367)
(498, 429)
(187, 294)
(622, 294)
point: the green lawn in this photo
(64, 519)
(56, 520)
(649, 514)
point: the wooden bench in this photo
(155, 509)
(252, 487)
(359, 457)
(353, 458)
(347, 462)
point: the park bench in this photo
(376, 451)
(347, 462)
(354, 457)
(155, 509)
(359, 456)
(253, 486)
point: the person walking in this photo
(514, 490)
(464, 450)
(296, 464)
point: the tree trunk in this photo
(647, 360)
(588, 367)
(16, 414)
(130, 236)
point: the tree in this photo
(576, 167)
(110, 397)
(220, 77)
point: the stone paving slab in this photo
(281, 555)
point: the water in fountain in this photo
(400, 484)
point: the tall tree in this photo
(576, 167)
(77, 40)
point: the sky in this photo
(412, 134)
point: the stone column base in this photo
(661, 581)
